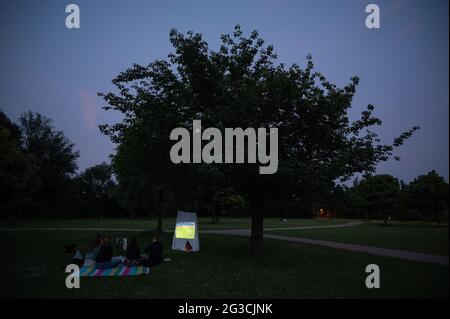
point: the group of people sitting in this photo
(100, 254)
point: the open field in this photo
(33, 267)
(168, 223)
(412, 236)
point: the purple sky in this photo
(403, 66)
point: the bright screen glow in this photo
(185, 230)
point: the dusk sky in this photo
(403, 66)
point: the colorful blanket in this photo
(91, 271)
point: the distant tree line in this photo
(38, 179)
(38, 174)
(385, 197)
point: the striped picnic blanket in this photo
(91, 271)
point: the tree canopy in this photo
(242, 85)
(18, 171)
(55, 159)
(380, 194)
(429, 194)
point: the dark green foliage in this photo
(380, 194)
(97, 193)
(429, 195)
(240, 85)
(14, 130)
(55, 158)
(18, 172)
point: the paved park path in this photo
(401, 254)
(395, 253)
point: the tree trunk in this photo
(215, 216)
(256, 239)
(438, 215)
(161, 207)
(97, 208)
(159, 227)
(132, 213)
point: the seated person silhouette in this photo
(154, 251)
(133, 253)
(104, 258)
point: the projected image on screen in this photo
(185, 230)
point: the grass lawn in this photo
(168, 223)
(32, 268)
(412, 236)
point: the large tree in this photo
(95, 193)
(380, 194)
(54, 155)
(18, 171)
(428, 194)
(98, 179)
(242, 85)
(95, 186)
